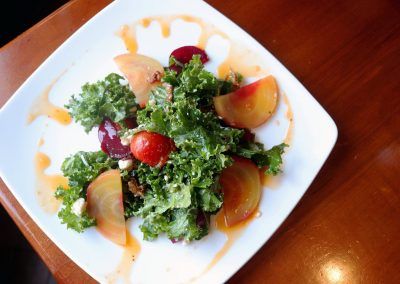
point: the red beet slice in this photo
(175, 240)
(130, 122)
(248, 135)
(110, 141)
(201, 219)
(176, 68)
(185, 53)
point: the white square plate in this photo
(88, 56)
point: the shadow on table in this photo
(19, 263)
(18, 16)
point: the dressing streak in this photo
(206, 30)
(128, 35)
(42, 106)
(289, 116)
(239, 59)
(41, 142)
(231, 233)
(270, 181)
(46, 185)
(130, 254)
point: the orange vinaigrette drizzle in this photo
(129, 255)
(42, 106)
(234, 60)
(289, 117)
(46, 185)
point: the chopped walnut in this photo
(169, 97)
(156, 77)
(234, 78)
(135, 188)
(170, 91)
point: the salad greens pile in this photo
(180, 196)
(107, 98)
(80, 169)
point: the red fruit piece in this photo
(110, 141)
(151, 148)
(185, 53)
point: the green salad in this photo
(170, 151)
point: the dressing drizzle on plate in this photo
(46, 185)
(237, 53)
(129, 255)
(42, 106)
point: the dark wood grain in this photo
(347, 54)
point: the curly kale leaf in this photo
(193, 82)
(271, 159)
(106, 98)
(80, 169)
(188, 184)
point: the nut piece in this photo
(170, 91)
(125, 141)
(234, 78)
(155, 77)
(135, 188)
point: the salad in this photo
(175, 148)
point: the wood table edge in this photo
(59, 264)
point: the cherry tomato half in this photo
(152, 148)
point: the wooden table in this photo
(346, 229)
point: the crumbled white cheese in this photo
(127, 137)
(123, 82)
(125, 164)
(79, 206)
(137, 129)
(126, 140)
